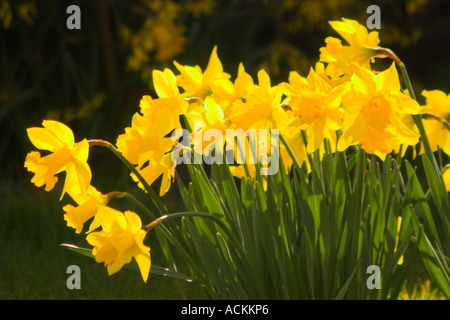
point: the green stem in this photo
(120, 195)
(153, 196)
(188, 214)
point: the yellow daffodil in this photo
(88, 204)
(376, 112)
(146, 139)
(261, 108)
(317, 106)
(226, 92)
(361, 42)
(438, 105)
(360, 48)
(200, 84)
(120, 240)
(66, 155)
(166, 88)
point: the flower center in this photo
(377, 112)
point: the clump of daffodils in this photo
(340, 103)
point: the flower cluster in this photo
(340, 103)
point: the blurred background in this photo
(93, 78)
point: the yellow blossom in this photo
(376, 113)
(166, 88)
(120, 240)
(226, 92)
(317, 105)
(438, 104)
(261, 108)
(340, 58)
(146, 139)
(66, 155)
(88, 204)
(200, 84)
(361, 42)
(154, 169)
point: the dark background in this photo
(84, 78)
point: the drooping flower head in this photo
(120, 240)
(66, 155)
(88, 204)
(360, 49)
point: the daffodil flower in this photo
(120, 240)
(360, 49)
(154, 169)
(316, 104)
(201, 84)
(166, 88)
(146, 139)
(261, 108)
(66, 155)
(88, 204)
(376, 113)
(438, 105)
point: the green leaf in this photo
(84, 251)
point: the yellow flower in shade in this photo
(168, 44)
(200, 84)
(359, 50)
(261, 108)
(66, 155)
(120, 240)
(446, 177)
(316, 104)
(438, 104)
(88, 204)
(376, 113)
